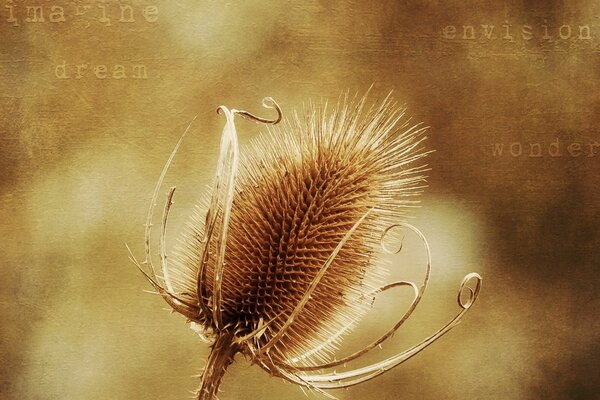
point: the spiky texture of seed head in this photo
(301, 187)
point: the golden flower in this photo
(284, 257)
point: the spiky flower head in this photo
(283, 258)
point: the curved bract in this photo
(287, 253)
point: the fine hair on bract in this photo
(286, 254)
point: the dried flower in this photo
(284, 257)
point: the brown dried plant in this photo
(286, 255)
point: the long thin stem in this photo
(221, 356)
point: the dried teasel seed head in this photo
(283, 257)
(300, 188)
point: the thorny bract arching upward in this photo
(285, 255)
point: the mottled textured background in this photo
(79, 158)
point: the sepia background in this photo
(79, 157)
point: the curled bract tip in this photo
(268, 102)
(473, 293)
(384, 247)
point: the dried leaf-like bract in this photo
(285, 255)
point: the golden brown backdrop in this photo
(95, 93)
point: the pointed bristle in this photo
(301, 187)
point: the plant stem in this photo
(221, 355)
